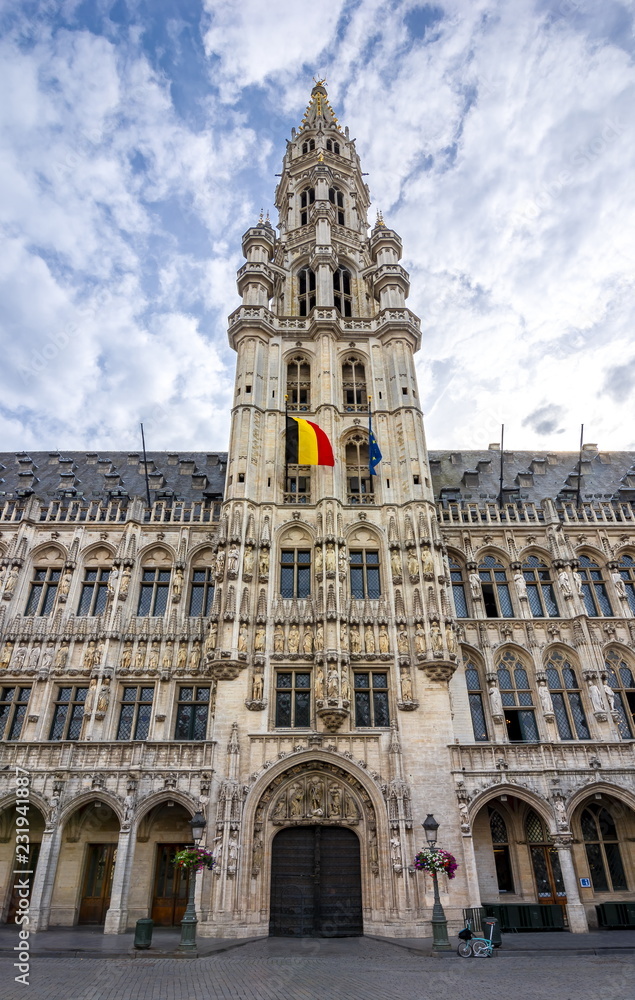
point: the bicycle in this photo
(471, 944)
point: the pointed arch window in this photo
(458, 590)
(359, 487)
(540, 593)
(545, 861)
(517, 698)
(620, 678)
(567, 700)
(307, 198)
(475, 698)
(342, 297)
(495, 588)
(299, 384)
(626, 569)
(602, 849)
(308, 146)
(354, 385)
(306, 290)
(336, 198)
(502, 859)
(333, 147)
(596, 599)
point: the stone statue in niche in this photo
(596, 698)
(278, 639)
(293, 641)
(166, 662)
(126, 573)
(344, 635)
(177, 584)
(521, 584)
(565, 582)
(195, 657)
(307, 640)
(257, 685)
(90, 696)
(610, 696)
(104, 696)
(5, 659)
(219, 568)
(242, 638)
(34, 657)
(369, 639)
(475, 585)
(296, 795)
(153, 661)
(450, 638)
(140, 658)
(259, 639)
(403, 645)
(316, 797)
(319, 638)
(126, 657)
(263, 563)
(319, 682)
(12, 579)
(20, 656)
(577, 579)
(232, 561)
(333, 684)
(350, 809)
(427, 562)
(280, 808)
(384, 644)
(341, 558)
(329, 560)
(335, 801)
(413, 565)
(406, 684)
(395, 850)
(113, 576)
(395, 563)
(181, 659)
(619, 584)
(346, 688)
(248, 561)
(545, 698)
(420, 638)
(212, 636)
(318, 560)
(65, 584)
(372, 846)
(495, 700)
(89, 656)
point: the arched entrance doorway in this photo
(316, 886)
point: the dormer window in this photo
(337, 198)
(333, 147)
(306, 290)
(306, 199)
(308, 146)
(342, 298)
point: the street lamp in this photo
(440, 941)
(187, 944)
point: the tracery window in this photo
(342, 297)
(359, 486)
(626, 569)
(517, 698)
(295, 573)
(502, 858)
(308, 146)
(293, 698)
(153, 596)
(191, 713)
(545, 861)
(602, 849)
(299, 384)
(136, 711)
(354, 385)
(495, 588)
(13, 706)
(337, 198)
(475, 698)
(458, 590)
(594, 593)
(94, 592)
(364, 567)
(298, 484)
(201, 592)
(332, 147)
(307, 198)
(43, 592)
(68, 714)
(540, 593)
(567, 700)
(620, 679)
(306, 290)
(371, 698)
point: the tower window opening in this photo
(342, 298)
(308, 146)
(333, 147)
(359, 487)
(354, 385)
(337, 198)
(299, 384)
(307, 198)
(306, 290)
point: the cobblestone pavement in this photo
(359, 969)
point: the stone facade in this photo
(286, 646)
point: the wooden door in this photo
(34, 853)
(100, 865)
(547, 873)
(170, 887)
(316, 883)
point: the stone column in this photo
(40, 910)
(117, 913)
(576, 912)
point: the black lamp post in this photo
(187, 945)
(440, 940)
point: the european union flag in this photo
(374, 453)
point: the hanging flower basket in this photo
(434, 859)
(195, 859)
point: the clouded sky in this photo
(140, 138)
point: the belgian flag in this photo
(307, 444)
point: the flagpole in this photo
(145, 465)
(370, 436)
(577, 497)
(286, 463)
(500, 492)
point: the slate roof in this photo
(92, 475)
(456, 475)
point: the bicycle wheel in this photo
(464, 949)
(481, 948)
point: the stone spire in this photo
(319, 109)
